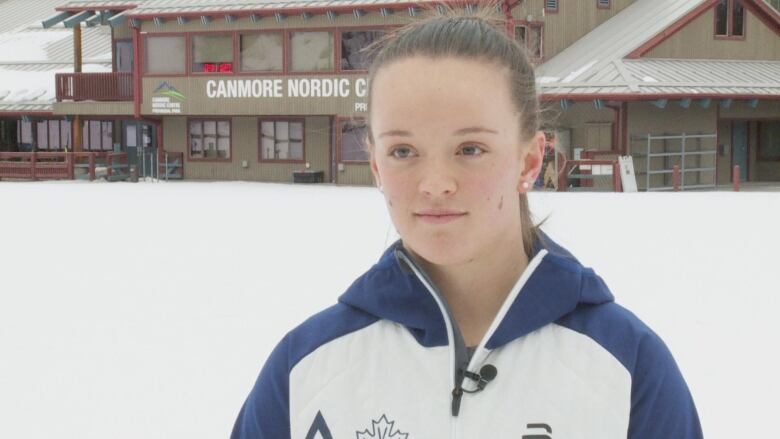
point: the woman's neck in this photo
(475, 290)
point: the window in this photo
(124, 56)
(603, 4)
(97, 135)
(209, 139)
(166, 55)
(353, 57)
(262, 52)
(530, 35)
(212, 54)
(353, 135)
(551, 5)
(281, 140)
(43, 135)
(769, 140)
(311, 51)
(729, 18)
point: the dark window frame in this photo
(549, 8)
(190, 45)
(729, 35)
(528, 25)
(339, 159)
(240, 70)
(341, 30)
(34, 134)
(275, 119)
(289, 51)
(761, 156)
(237, 67)
(86, 138)
(145, 53)
(229, 120)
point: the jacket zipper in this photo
(458, 346)
(455, 340)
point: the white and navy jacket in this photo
(388, 362)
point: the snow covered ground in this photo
(146, 310)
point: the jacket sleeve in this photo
(266, 412)
(661, 403)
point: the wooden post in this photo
(77, 48)
(91, 166)
(33, 159)
(676, 177)
(77, 133)
(735, 178)
(616, 182)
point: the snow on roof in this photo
(26, 87)
(152, 7)
(673, 77)
(30, 55)
(597, 64)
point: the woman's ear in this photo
(532, 159)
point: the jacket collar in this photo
(557, 285)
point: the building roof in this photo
(598, 63)
(31, 55)
(163, 8)
(675, 77)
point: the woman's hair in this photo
(475, 34)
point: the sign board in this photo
(627, 176)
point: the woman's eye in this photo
(401, 152)
(472, 150)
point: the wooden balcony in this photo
(94, 86)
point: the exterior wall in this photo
(573, 20)
(697, 41)
(122, 32)
(757, 170)
(244, 145)
(356, 174)
(590, 128)
(644, 118)
(92, 108)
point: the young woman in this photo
(474, 324)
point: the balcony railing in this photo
(94, 86)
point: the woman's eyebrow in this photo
(460, 132)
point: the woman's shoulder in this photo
(618, 330)
(323, 327)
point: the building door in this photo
(140, 139)
(739, 148)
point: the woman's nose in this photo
(437, 179)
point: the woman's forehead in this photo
(440, 91)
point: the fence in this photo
(663, 152)
(63, 165)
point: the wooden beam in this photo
(55, 19)
(76, 20)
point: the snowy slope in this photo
(146, 310)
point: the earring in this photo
(526, 185)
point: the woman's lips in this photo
(439, 219)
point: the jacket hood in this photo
(558, 284)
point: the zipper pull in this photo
(457, 394)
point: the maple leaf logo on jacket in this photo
(382, 429)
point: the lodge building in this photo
(257, 90)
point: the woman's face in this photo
(447, 140)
